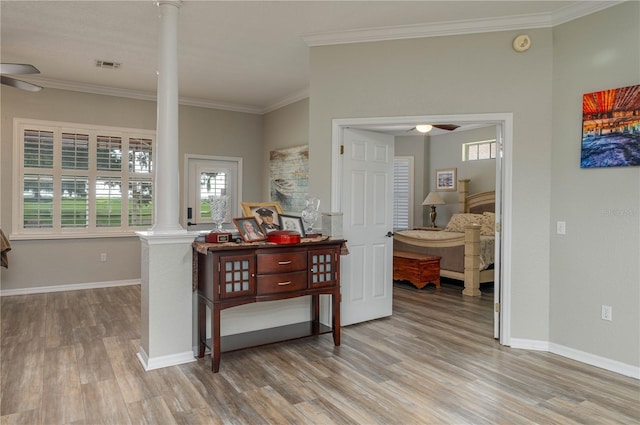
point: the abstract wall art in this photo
(611, 128)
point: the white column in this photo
(166, 327)
(167, 196)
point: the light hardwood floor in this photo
(70, 358)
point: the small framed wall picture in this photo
(446, 180)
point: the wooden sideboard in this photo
(229, 275)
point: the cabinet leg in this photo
(335, 317)
(202, 328)
(315, 314)
(215, 339)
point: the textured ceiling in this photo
(240, 55)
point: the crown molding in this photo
(462, 27)
(436, 29)
(302, 94)
(139, 95)
(569, 13)
(581, 9)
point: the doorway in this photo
(504, 139)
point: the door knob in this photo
(389, 234)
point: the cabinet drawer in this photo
(282, 262)
(279, 283)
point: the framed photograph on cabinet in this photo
(446, 179)
(267, 214)
(292, 222)
(250, 230)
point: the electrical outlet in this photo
(607, 312)
(561, 227)
(103, 256)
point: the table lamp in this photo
(433, 199)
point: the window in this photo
(70, 180)
(474, 151)
(209, 176)
(402, 192)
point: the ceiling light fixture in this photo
(424, 128)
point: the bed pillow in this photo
(488, 224)
(459, 220)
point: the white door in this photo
(367, 199)
(210, 175)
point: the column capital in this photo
(176, 3)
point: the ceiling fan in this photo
(425, 128)
(18, 68)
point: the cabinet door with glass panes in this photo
(323, 269)
(237, 274)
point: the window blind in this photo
(402, 193)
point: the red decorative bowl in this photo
(283, 237)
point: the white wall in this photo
(598, 260)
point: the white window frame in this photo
(19, 232)
(409, 161)
(492, 149)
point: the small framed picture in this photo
(267, 214)
(250, 230)
(292, 222)
(446, 180)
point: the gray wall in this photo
(598, 260)
(37, 263)
(284, 128)
(446, 152)
(558, 283)
(468, 74)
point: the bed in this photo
(466, 246)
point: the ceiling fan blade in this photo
(19, 84)
(449, 127)
(18, 68)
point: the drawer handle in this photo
(288, 282)
(284, 263)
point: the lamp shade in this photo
(433, 199)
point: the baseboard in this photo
(593, 360)
(69, 287)
(164, 361)
(580, 356)
(529, 344)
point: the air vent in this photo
(107, 64)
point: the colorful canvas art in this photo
(611, 128)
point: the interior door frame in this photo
(504, 187)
